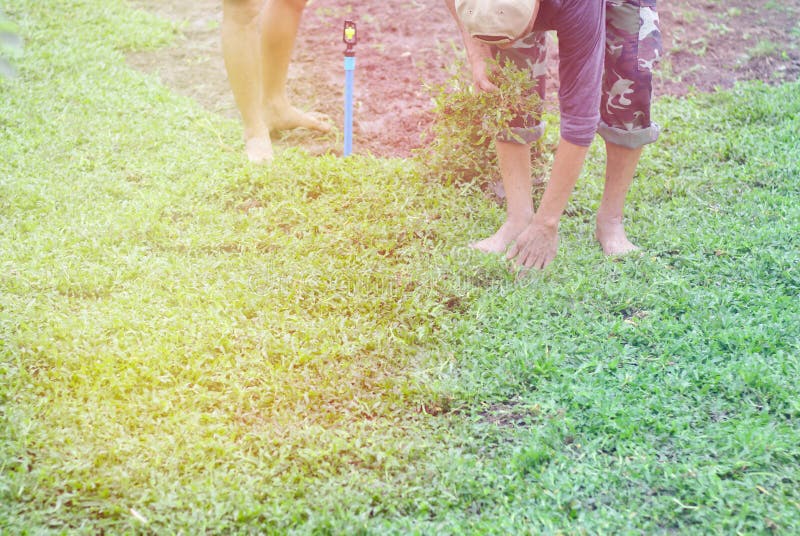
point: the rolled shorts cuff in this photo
(633, 139)
(523, 135)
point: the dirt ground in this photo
(708, 44)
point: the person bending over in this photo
(606, 53)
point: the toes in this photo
(317, 121)
(298, 119)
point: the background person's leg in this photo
(241, 51)
(279, 23)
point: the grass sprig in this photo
(461, 139)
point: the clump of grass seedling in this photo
(460, 141)
(764, 49)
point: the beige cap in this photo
(495, 21)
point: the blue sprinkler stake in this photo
(350, 37)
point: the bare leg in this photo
(621, 165)
(240, 38)
(279, 23)
(515, 169)
(257, 42)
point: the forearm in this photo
(476, 52)
(567, 166)
(451, 7)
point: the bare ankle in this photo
(610, 218)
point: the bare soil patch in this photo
(708, 45)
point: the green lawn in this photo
(191, 344)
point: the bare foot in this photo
(259, 149)
(501, 239)
(289, 117)
(612, 238)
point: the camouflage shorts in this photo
(633, 46)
